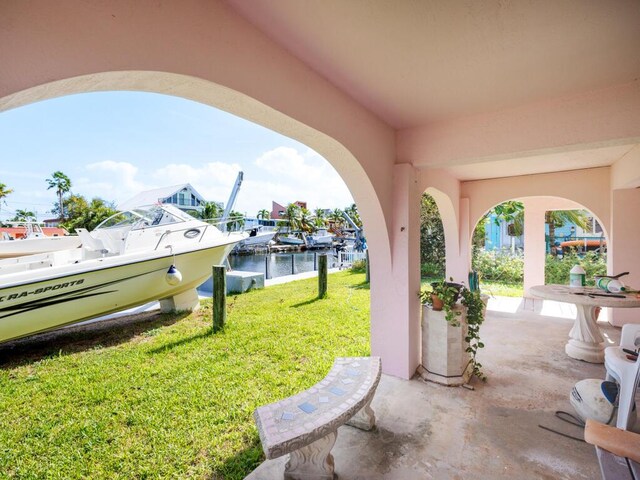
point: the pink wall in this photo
(604, 117)
(590, 188)
(624, 255)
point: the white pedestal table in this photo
(585, 340)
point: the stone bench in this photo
(305, 425)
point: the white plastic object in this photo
(611, 285)
(577, 276)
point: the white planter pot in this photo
(444, 359)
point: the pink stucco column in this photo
(534, 245)
(624, 247)
(396, 338)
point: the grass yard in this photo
(163, 397)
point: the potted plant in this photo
(447, 294)
(443, 296)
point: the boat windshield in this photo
(145, 217)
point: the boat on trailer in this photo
(132, 258)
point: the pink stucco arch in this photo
(206, 92)
(452, 233)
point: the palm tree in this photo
(336, 218)
(293, 214)
(210, 211)
(62, 184)
(306, 222)
(320, 220)
(236, 221)
(557, 218)
(4, 191)
(24, 216)
(263, 214)
(352, 211)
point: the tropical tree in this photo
(84, 214)
(62, 184)
(432, 246)
(511, 212)
(306, 220)
(320, 219)
(557, 218)
(4, 192)
(236, 221)
(336, 218)
(353, 213)
(210, 210)
(24, 216)
(293, 214)
(263, 214)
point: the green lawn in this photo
(166, 398)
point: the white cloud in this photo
(282, 174)
(213, 181)
(287, 175)
(110, 180)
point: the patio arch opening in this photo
(534, 236)
(353, 171)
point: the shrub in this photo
(557, 269)
(359, 266)
(500, 266)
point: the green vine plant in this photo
(475, 317)
(448, 293)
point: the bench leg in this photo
(365, 419)
(313, 461)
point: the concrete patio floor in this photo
(428, 431)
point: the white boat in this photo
(321, 238)
(257, 236)
(290, 239)
(35, 241)
(128, 260)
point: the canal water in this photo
(281, 264)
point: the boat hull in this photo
(31, 246)
(128, 281)
(290, 241)
(259, 239)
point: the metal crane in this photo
(231, 202)
(360, 244)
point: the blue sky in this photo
(115, 144)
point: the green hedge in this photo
(508, 268)
(498, 265)
(557, 270)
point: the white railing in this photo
(346, 259)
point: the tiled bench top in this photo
(297, 421)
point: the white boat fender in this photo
(173, 275)
(595, 399)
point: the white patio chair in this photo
(626, 372)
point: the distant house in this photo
(278, 211)
(498, 236)
(21, 232)
(184, 196)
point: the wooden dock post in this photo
(219, 297)
(322, 276)
(367, 275)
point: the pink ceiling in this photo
(416, 62)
